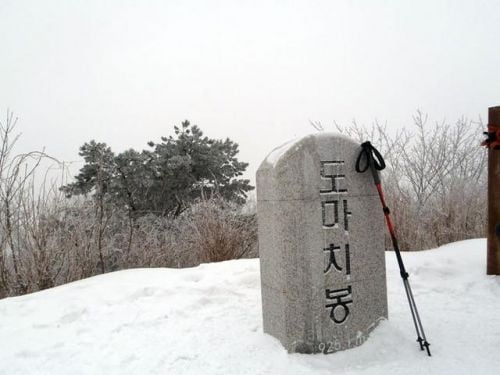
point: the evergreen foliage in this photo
(165, 179)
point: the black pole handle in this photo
(373, 160)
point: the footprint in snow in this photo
(193, 277)
(72, 316)
(143, 293)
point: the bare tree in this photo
(435, 178)
(16, 176)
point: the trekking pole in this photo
(376, 163)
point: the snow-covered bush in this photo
(62, 241)
(217, 230)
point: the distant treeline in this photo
(181, 202)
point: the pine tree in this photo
(165, 179)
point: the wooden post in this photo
(493, 257)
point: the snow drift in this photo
(207, 320)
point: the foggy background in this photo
(126, 72)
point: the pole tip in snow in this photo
(426, 344)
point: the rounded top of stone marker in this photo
(277, 154)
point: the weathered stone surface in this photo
(321, 246)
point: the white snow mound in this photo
(207, 320)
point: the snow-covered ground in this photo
(207, 320)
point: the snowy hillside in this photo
(207, 320)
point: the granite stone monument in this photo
(321, 245)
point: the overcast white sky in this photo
(125, 72)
